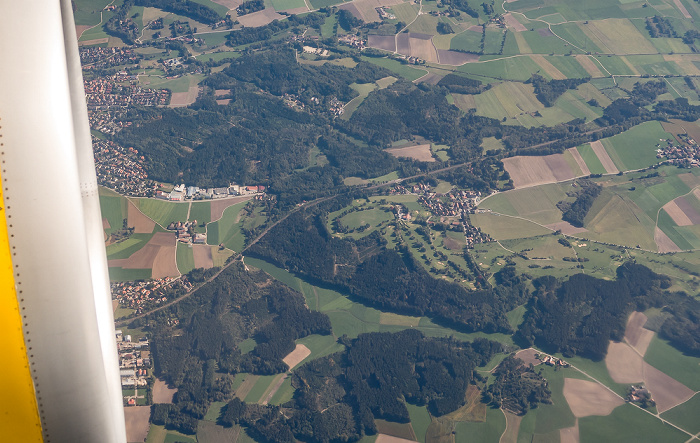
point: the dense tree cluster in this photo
(122, 26)
(548, 92)
(659, 26)
(462, 85)
(347, 20)
(338, 397)
(444, 28)
(577, 211)
(580, 315)
(250, 6)
(517, 388)
(188, 8)
(461, 5)
(682, 328)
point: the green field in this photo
(217, 56)
(185, 258)
(401, 69)
(284, 393)
(256, 393)
(162, 212)
(666, 358)
(591, 159)
(505, 228)
(363, 89)
(121, 274)
(514, 68)
(181, 84)
(125, 248)
(685, 415)
(467, 41)
(227, 229)
(636, 148)
(420, 420)
(114, 209)
(200, 211)
(488, 431)
(627, 423)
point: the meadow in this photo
(162, 212)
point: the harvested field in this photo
(476, 28)
(690, 212)
(624, 364)
(136, 418)
(566, 228)
(79, 29)
(419, 152)
(296, 356)
(529, 171)
(136, 219)
(162, 393)
(677, 214)
(353, 10)
(570, 435)
(666, 391)
(682, 8)
(367, 9)
(231, 4)
(455, 58)
(385, 42)
(383, 438)
(513, 23)
(579, 161)
(604, 158)
(223, 102)
(260, 18)
(219, 205)
(105, 224)
(635, 334)
(220, 92)
(423, 48)
(210, 432)
(96, 41)
(589, 65)
(528, 356)
(587, 398)
(202, 256)
(549, 68)
(182, 99)
(295, 11)
(510, 435)
(664, 242)
(402, 44)
(430, 78)
(464, 102)
(474, 410)
(402, 431)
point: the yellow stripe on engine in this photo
(19, 416)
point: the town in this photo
(144, 295)
(687, 155)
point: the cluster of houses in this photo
(95, 57)
(640, 394)
(317, 51)
(142, 295)
(184, 231)
(106, 121)
(134, 361)
(455, 203)
(384, 13)
(121, 169)
(551, 361)
(121, 91)
(182, 192)
(687, 155)
(353, 41)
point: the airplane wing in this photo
(56, 321)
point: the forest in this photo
(548, 92)
(517, 388)
(188, 8)
(338, 397)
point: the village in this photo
(143, 295)
(686, 155)
(451, 209)
(121, 169)
(121, 90)
(134, 365)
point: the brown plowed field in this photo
(665, 391)
(220, 92)
(165, 263)
(422, 48)
(635, 334)
(202, 256)
(688, 210)
(579, 161)
(419, 152)
(158, 255)
(587, 398)
(353, 10)
(296, 356)
(691, 180)
(260, 18)
(402, 44)
(529, 171)
(624, 364)
(219, 206)
(182, 99)
(528, 356)
(105, 224)
(604, 158)
(223, 102)
(513, 23)
(510, 435)
(560, 168)
(431, 79)
(548, 67)
(385, 42)
(79, 29)
(136, 418)
(138, 220)
(664, 242)
(162, 393)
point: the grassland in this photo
(121, 274)
(125, 248)
(669, 360)
(185, 258)
(401, 69)
(420, 420)
(514, 68)
(591, 159)
(490, 430)
(636, 148)
(181, 84)
(364, 90)
(217, 56)
(114, 209)
(162, 212)
(627, 424)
